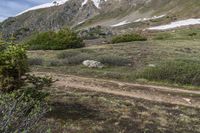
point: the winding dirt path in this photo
(148, 92)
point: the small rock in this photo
(93, 64)
(187, 100)
(151, 65)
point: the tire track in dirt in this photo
(161, 94)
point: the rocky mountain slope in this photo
(115, 14)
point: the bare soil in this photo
(159, 94)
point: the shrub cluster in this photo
(76, 60)
(67, 54)
(22, 101)
(13, 65)
(63, 39)
(35, 61)
(128, 38)
(69, 58)
(113, 60)
(163, 36)
(95, 32)
(180, 72)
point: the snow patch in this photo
(81, 22)
(138, 20)
(120, 23)
(96, 3)
(152, 18)
(84, 2)
(176, 24)
(47, 5)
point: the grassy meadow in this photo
(132, 61)
(82, 111)
(170, 58)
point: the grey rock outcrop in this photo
(110, 12)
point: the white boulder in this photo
(151, 65)
(93, 64)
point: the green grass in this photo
(177, 71)
(178, 34)
(128, 38)
(135, 56)
(82, 111)
(35, 61)
(170, 62)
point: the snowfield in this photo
(152, 18)
(57, 3)
(120, 23)
(47, 5)
(96, 3)
(176, 24)
(138, 20)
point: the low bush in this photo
(53, 63)
(163, 36)
(63, 39)
(13, 65)
(67, 54)
(95, 32)
(128, 38)
(35, 61)
(192, 34)
(179, 71)
(66, 59)
(22, 102)
(76, 60)
(113, 60)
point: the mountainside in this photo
(115, 14)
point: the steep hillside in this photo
(115, 14)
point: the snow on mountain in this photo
(46, 5)
(138, 20)
(57, 3)
(176, 24)
(96, 3)
(120, 23)
(152, 18)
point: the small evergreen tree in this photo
(13, 65)
(22, 101)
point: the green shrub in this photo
(69, 58)
(21, 111)
(64, 39)
(128, 38)
(22, 102)
(76, 60)
(163, 36)
(35, 61)
(179, 71)
(113, 60)
(54, 63)
(192, 34)
(95, 32)
(13, 65)
(67, 54)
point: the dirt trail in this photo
(148, 92)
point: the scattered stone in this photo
(187, 100)
(93, 64)
(151, 65)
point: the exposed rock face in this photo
(53, 18)
(95, 32)
(80, 15)
(93, 64)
